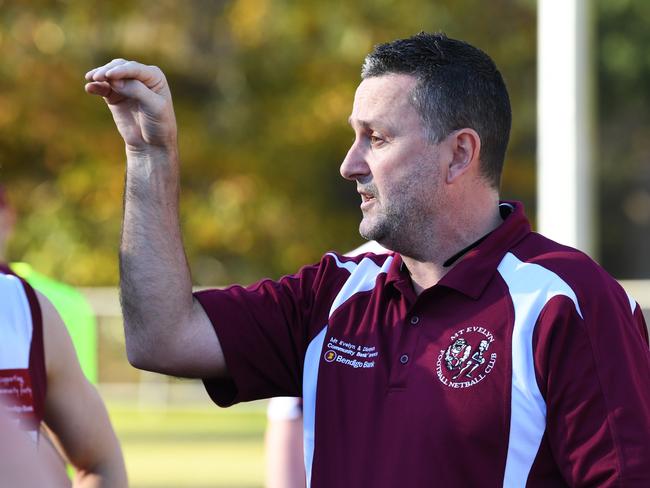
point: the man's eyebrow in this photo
(361, 123)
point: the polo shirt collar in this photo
(474, 270)
(398, 276)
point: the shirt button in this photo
(415, 319)
(404, 359)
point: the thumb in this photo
(134, 89)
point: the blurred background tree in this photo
(263, 89)
(623, 146)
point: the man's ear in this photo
(465, 146)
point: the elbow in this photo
(145, 358)
(152, 343)
(154, 356)
(136, 357)
(143, 350)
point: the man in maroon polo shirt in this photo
(476, 353)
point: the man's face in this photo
(396, 168)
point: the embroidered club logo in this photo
(329, 356)
(467, 360)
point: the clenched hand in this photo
(140, 101)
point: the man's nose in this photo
(355, 166)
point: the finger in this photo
(104, 89)
(98, 74)
(151, 76)
(135, 89)
(101, 88)
(89, 76)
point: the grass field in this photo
(191, 446)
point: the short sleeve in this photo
(264, 330)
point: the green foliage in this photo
(623, 148)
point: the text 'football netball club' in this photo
(465, 362)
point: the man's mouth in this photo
(366, 199)
(366, 193)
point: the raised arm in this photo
(75, 413)
(166, 329)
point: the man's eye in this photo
(374, 140)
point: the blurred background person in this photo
(285, 466)
(42, 383)
(20, 462)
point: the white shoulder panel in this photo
(633, 304)
(531, 287)
(309, 381)
(370, 246)
(15, 324)
(362, 278)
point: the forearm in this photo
(156, 288)
(166, 330)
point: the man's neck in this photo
(425, 273)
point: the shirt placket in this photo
(405, 353)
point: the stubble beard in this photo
(379, 228)
(404, 224)
(391, 227)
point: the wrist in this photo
(157, 155)
(152, 171)
(148, 151)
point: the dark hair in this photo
(457, 86)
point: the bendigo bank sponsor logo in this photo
(353, 355)
(467, 360)
(330, 356)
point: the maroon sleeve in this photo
(594, 373)
(264, 330)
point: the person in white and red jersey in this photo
(283, 446)
(20, 463)
(561, 393)
(41, 384)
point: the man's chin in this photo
(371, 232)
